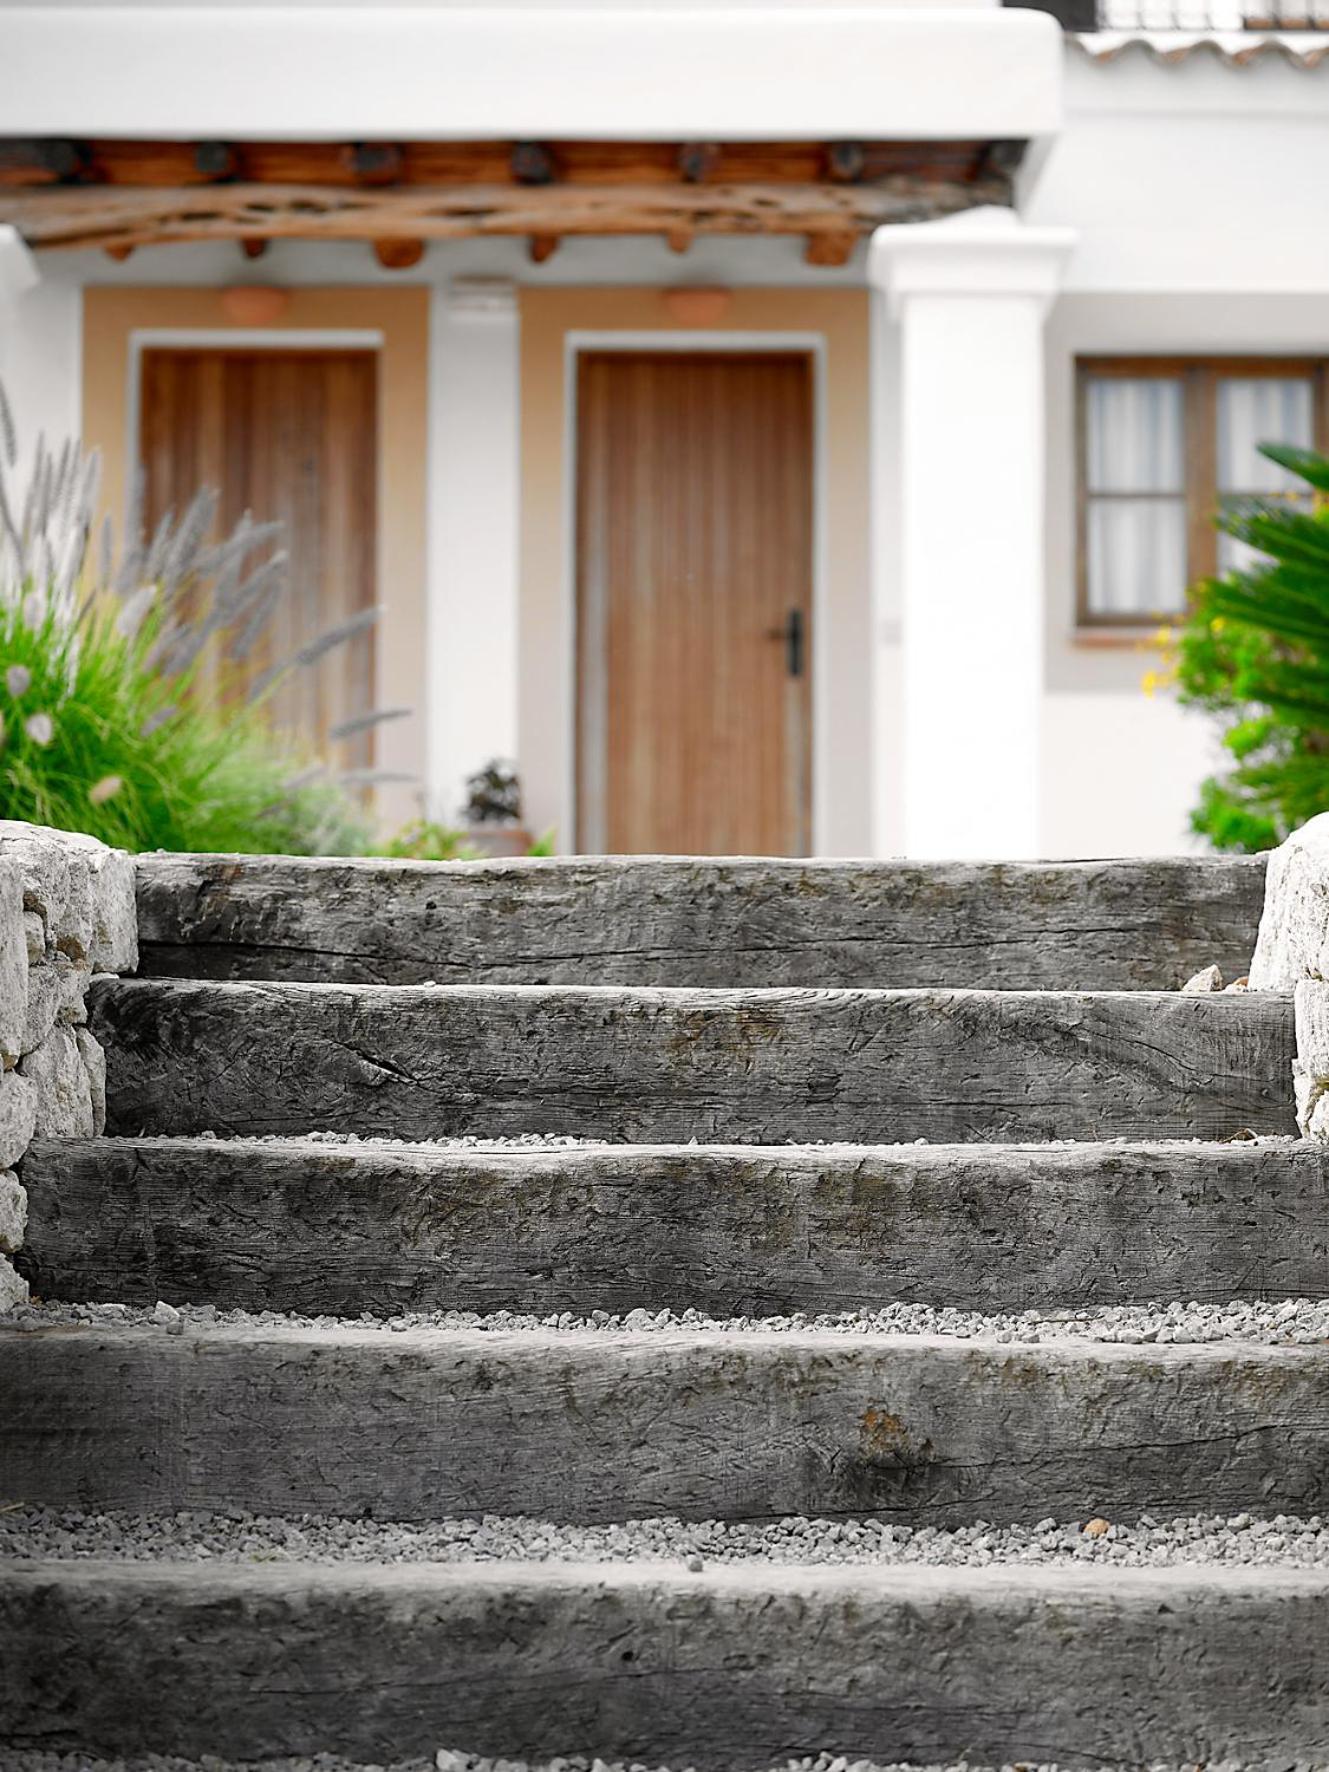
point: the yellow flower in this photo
(1150, 682)
(1218, 623)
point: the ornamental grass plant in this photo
(133, 690)
(1253, 649)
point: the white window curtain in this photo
(1254, 410)
(1135, 484)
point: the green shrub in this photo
(1253, 650)
(129, 707)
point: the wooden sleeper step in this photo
(311, 1227)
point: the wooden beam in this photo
(398, 254)
(830, 246)
(697, 161)
(542, 246)
(174, 164)
(215, 160)
(533, 164)
(374, 163)
(845, 162)
(84, 215)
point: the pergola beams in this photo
(123, 195)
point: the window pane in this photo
(1137, 556)
(1254, 410)
(1135, 435)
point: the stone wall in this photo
(66, 912)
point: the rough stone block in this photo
(13, 963)
(34, 934)
(18, 1116)
(56, 990)
(13, 1211)
(64, 1106)
(13, 1287)
(1310, 1072)
(82, 891)
(94, 1063)
(1293, 941)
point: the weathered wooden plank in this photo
(736, 1667)
(667, 1066)
(307, 1227)
(131, 215)
(1114, 925)
(595, 1425)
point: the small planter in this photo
(496, 841)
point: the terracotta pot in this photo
(498, 840)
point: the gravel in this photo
(236, 1537)
(453, 1760)
(552, 1141)
(1298, 1321)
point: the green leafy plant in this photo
(1253, 649)
(131, 704)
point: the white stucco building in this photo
(740, 513)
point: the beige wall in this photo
(111, 317)
(838, 319)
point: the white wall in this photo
(1197, 190)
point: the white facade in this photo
(1164, 207)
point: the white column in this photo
(40, 356)
(474, 513)
(969, 295)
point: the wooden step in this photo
(735, 1667)
(1092, 925)
(592, 1425)
(311, 1227)
(669, 1066)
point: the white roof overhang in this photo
(499, 72)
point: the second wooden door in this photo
(694, 570)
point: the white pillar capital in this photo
(981, 253)
(18, 268)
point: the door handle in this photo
(791, 633)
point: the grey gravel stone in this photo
(1240, 1540)
(1283, 1322)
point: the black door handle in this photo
(792, 634)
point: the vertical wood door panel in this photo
(290, 435)
(694, 549)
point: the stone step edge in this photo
(528, 1148)
(731, 1665)
(692, 996)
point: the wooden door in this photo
(694, 553)
(290, 435)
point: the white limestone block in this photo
(18, 1116)
(94, 1063)
(1293, 942)
(13, 1211)
(13, 1287)
(13, 964)
(56, 1070)
(1310, 1075)
(34, 931)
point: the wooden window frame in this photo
(1199, 377)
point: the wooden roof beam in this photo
(79, 215)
